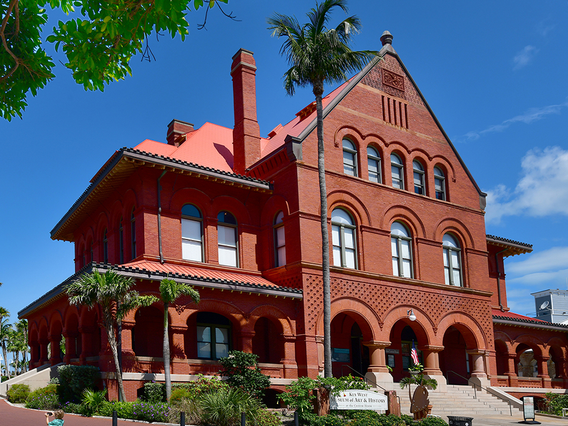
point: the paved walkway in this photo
(11, 415)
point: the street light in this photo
(411, 315)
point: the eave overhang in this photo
(121, 165)
(518, 322)
(197, 281)
(510, 247)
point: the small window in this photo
(397, 171)
(419, 187)
(349, 158)
(213, 335)
(279, 240)
(191, 233)
(133, 234)
(105, 247)
(343, 239)
(374, 164)
(227, 239)
(401, 246)
(452, 261)
(439, 183)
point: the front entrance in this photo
(348, 354)
(454, 359)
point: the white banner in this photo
(358, 400)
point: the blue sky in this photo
(494, 74)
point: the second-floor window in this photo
(418, 170)
(227, 239)
(397, 172)
(374, 165)
(452, 261)
(191, 233)
(439, 184)
(279, 240)
(349, 158)
(343, 239)
(401, 246)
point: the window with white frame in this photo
(397, 172)
(279, 240)
(213, 335)
(343, 239)
(374, 164)
(439, 183)
(418, 172)
(227, 239)
(349, 158)
(191, 233)
(452, 261)
(401, 246)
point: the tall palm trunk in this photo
(167, 374)
(5, 355)
(318, 92)
(109, 327)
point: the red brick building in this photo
(237, 216)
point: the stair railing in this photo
(475, 385)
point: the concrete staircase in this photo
(460, 401)
(36, 378)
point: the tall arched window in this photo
(121, 241)
(191, 233)
(439, 183)
(397, 171)
(349, 158)
(132, 235)
(279, 240)
(343, 239)
(452, 260)
(418, 170)
(374, 164)
(105, 246)
(227, 239)
(401, 245)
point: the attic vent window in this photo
(393, 80)
(306, 111)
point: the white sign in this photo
(528, 407)
(358, 400)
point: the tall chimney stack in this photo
(246, 133)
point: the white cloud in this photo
(541, 191)
(530, 116)
(551, 259)
(525, 56)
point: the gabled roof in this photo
(518, 320)
(510, 247)
(204, 277)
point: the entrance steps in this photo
(460, 400)
(36, 378)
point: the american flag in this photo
(414, 354)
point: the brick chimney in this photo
(177, 130)
(246, 133)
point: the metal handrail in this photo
(474, 385)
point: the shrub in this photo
(44, 398)
(191, 408)
(313, 419)
(178, 395)
(433, 421)
(124, 410)
(18, 393)
(150, 412)
(266, 418)
(242, 371)
(92, 401)
(224, 408)
(556, 402)
(154, 392)
(71, 407)
(74, 379)
(408, 420)
(201, 386)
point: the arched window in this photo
(418, 170)
(213, 335)
(349, 158)
(121, 241)
(191, 233)
(343, 239)
(397, 171)
(401, 245)
(227, 239)
(132, 235)
(279, 240)
(439, 183)
(105, 246)
(374, 164)
(452, 260)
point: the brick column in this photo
(54, 340)
(70, 346)
(289, 358)
(246, 340)
(43, 342)
(432, 364)
(378, 371)
(511, 369)
(478, 373)
(86, 343)
(543, 371)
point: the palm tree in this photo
(319, 55)
(4, 337)
(22, 330)
(170, 291)
(112, 292)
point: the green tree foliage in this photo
(556, 402)
(18, 393)
(74, 379)
(242, 371)
(5, 332)
(99, 39)
(112, 293)
(170, 291)
(317, 55)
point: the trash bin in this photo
(460, 421)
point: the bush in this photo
(242, 371)
(124, 410)
(92, 401)
(154, 392)
(74, 379)
(201, 386)
(433, 421)
(150, 412)
(179, 394)
(224, 408)
(266, 418)
(18, 394)
(3, 379)
(44, 398)
(408, 420)
(71, 407)
(189, 406)
(556, 402)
